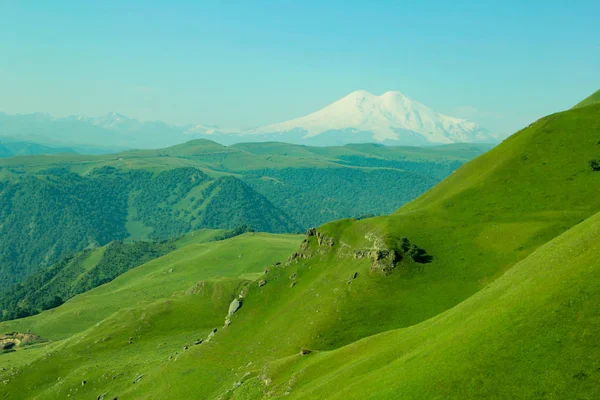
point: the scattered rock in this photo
(262, 283)
(237, 385)
(139, 378)
(304, 352)
(197, 342)
(8, 345)
(267, 270)
(276, 264)
(292, 284)
(185, 348)
(83, 383)
(101, 397)
(16, 339)
(211, 334)
(355, 275)
(325, 240)
(234, 306)
(385, 260)
(293, 276)
(311, 232)
(197, 288)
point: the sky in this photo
(241, 64)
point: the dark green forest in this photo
(50, 214)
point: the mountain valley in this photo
(485, 286)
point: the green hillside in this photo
(145, 316)
(15, 148)
(78, 273)
(52, 206)
(486, 286)
(594, 98)
(530, 334)
(55, 212)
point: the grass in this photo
(594, 98)
(164, 305)
(530, 334)
(507, 309)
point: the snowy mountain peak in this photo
(391, 116)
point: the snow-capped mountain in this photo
(391, 118)
(360, 117)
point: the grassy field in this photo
(507, 307)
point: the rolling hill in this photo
(55, 212)
(594, 98)
(60, 204)
(81, 272)
(11, 148)
(486, 287)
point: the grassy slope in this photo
(530, 334)
(163, 305)
(193, 262)
(486, 218)
(88, 266)
(594, 98)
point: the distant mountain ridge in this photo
(360, 117)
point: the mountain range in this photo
(359, 117)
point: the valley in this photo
(485, 286)
(162, 194)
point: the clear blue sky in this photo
(246, 63)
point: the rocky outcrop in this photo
(324, 244)
(385, 260)
(12, 340)
(234, 306)
(325, 240)
(385, 254)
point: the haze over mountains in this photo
(359, 117)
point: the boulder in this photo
(234, 306)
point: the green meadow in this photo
(487, 286)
